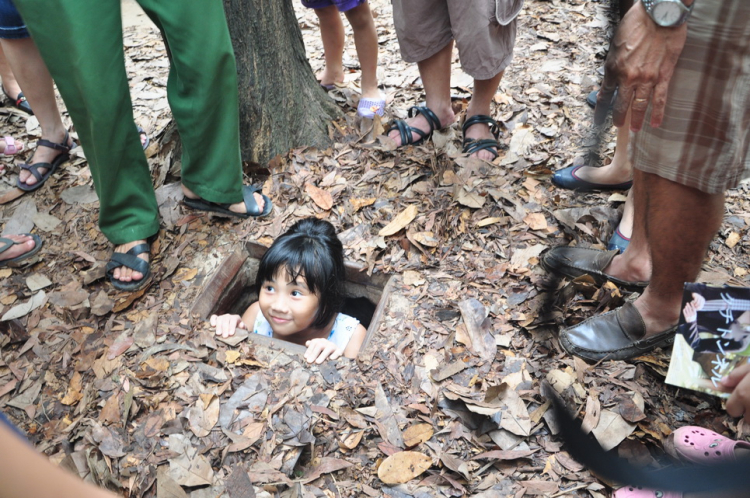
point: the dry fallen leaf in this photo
(185, 274)
(417, 434)
(732, 239)
(360, 203)
(352, 440)
(536, 221)
(321, 197)
(232, 356)
(74, 393)
(414, 278)
(403, 466)
(400, 222)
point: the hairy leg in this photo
(680, 223)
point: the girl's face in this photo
(288, 305)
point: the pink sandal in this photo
(638, 492)
(11, 147)
(699, 445)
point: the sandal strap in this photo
(430, 116)
(6, 244)
(34, 169)
(130, 260)
(249, 198)
(52, 145)
(482, 119)
(472, 145)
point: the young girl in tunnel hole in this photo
(300, 294)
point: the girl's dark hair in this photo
(310, 248)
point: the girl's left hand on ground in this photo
(318, 350)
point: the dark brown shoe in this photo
(616, 335)
(576, 261)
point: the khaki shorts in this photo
(704, 139)
(484, 30)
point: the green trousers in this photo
(81, 43)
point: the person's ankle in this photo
(628, 269)
(658, 314)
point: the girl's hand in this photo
(227, 324)
(319, 350)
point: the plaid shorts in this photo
(704, 139)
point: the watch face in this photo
(666, 13)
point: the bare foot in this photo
(123, 273)
(328, 77)
(43, 154)
(26, 244)
(611, 174)
(445, 115)
(235, 208)
(480, 131)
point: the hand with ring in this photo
(640, 63)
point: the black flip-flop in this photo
(130, 260)
(51, 167)
(19, 102)
(247, 194)
(6, 243)
(472, 145)
(405, 131)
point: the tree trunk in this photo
(281, 104)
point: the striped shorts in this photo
(704, 139)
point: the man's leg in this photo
(481, 99)
(88, 66)
(203, 67)
(680, 223)
(435, 72)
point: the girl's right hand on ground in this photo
(227, 324)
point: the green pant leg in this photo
(81, 43)
(203, 95)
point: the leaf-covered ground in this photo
(134, 393)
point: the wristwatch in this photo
(668, 13)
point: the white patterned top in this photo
(343, 329)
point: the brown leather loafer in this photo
(576, 261)
(616, 335)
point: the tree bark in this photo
(282, 106)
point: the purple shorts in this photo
(341, 5)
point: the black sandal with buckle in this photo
(64, 148)
(472, 145)
(406, 132)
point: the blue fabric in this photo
(4, 421)
(11, 24)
